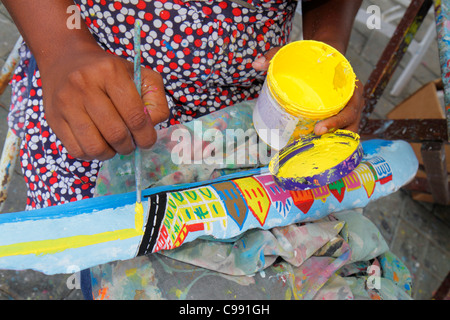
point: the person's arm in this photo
(330, 21)
(42, 24)
(90, 100)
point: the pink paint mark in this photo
(447, 24)
(151, 89)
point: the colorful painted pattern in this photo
(104, 229)
(219, 202)
(207, 209)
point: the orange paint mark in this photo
(303, 199)
(396, 277)
(102, 294)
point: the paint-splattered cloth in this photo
(203, 49)
(341, 256)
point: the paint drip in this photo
(139, 217)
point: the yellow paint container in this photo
(307, 81)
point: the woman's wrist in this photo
(70, 48)
(43, 25)
(330, 21)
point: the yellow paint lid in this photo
(311, 79)
(315, 161)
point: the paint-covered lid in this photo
(315, 161)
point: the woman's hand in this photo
(92, 105)
(348, 118)
(90, 99)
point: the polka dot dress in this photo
(202, 49)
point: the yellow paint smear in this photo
(326, 153)
(139, 217)
(311, 79)
(51, 246)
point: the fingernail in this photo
(259, 62)
(261, 59)
(321, 130)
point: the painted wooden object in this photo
(413, 130)
(10, 64)
(388, 63)
(99, 230)
(8, 163)
(442, 10)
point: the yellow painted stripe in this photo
(139, 217)
(51, 246)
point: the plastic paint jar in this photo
(307, 81)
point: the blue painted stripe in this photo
(109, 202)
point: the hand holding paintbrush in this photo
(90, 100)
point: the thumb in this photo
(153, 96)
(262, 63)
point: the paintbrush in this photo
(137, 82)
